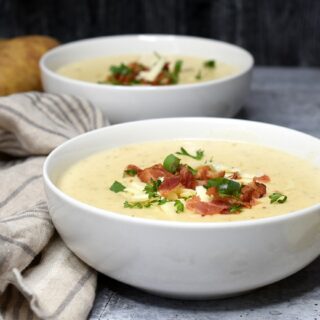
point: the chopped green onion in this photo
(144, 204)
(277, 197)
(117, 187)
(178, 66)
(130, 172)
(179, 206)
(176, 71)
(199, 75)
(184, 152)
(135, 81)
(171, 163)
(193, 171)
(209, 64)
(162, 201)
(121, 69)
(132, 205)
(225, 186)
(234, 208)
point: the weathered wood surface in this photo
(285, 32)
(295, 298)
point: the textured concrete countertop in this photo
(284, 96)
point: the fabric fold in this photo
(40, 278)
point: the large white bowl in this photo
(221, 97)
(179, 259)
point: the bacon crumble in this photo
(172, 185)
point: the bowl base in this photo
(192, 296)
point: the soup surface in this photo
(158, 70)
(104, 180)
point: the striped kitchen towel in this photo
(39, 277)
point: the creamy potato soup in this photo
(194, 181)
(151, 69)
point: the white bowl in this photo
(221, 97)
(179, 259)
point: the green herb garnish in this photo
(117, 187)
(176, 71)
(178, 67)
(225, 186)
(131, 205)
(193, 171)
(184, 152)
(130, 172)
(151, 189)
(277, 197)
(199, 75)
(144, 204)
(171, 163)
(179, 206)
(162, 201)
(121, 69)
(234, 208)
(209, 64)
(135, 81)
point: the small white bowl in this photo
(179, 259)
(222, 97)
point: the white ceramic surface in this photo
(186, 260)
(221, 97)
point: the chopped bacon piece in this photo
(264, 178)
(169, 183)
(154, 173)
(201, 182)
(171, 188)
(206, 208)
(259, 189)
(229, 200)
(246, 193)
(235, 175)
(253, 190)
(187, 179)
(206, 172)
(137, 67)
(212, 191)
(247, 196)
(133, 167)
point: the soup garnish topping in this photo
(161, 72)
(202, 189)
(135, 73)
(184, 152)
(277, 197)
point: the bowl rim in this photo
(168, 223)
(46, 70)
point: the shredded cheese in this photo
(186, 193)
(152, 74)
(134, 191)
(202, 193)
(168, 208)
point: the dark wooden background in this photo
(277, 32)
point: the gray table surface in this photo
(283, 96)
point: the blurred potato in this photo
(19, 59)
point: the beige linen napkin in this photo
(39, 276)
